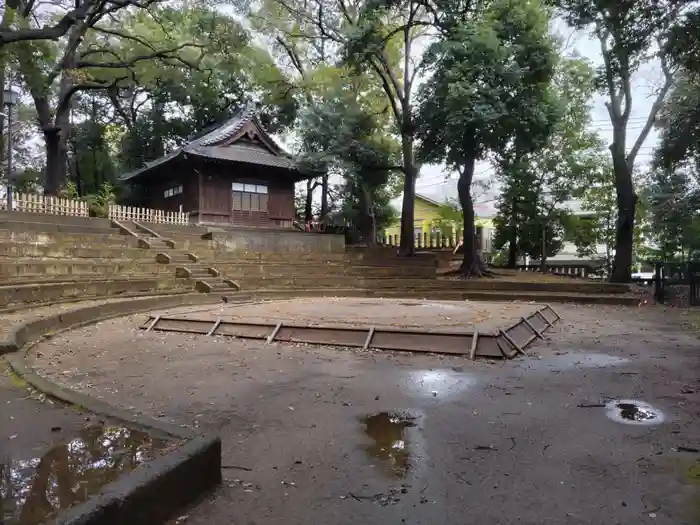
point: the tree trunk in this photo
(513, 234)
(55, 162)
(543, 256)
(472, 266)
(407, 247)
(367, 229)
(324, 198)
(624, 232)
(308, 204)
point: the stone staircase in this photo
(204, 276)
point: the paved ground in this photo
(346, 311)
(334, 436)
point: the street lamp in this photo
(10, 97)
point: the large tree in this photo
(377, 38)
(343, 135)
(490, 87)
(97, 54)
(630, 33)
(537, 185)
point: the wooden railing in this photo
(33, 203)
(129, 213)
(574, 270)
(425, 241)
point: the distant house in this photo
(427, 220)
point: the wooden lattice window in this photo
(249, 197)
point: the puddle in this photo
(33, 490)
(391, 443)
(438, 383)
(634, 412)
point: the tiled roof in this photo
(208, 146)
(244, 153)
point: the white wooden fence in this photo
(128, 213)
(34, 203)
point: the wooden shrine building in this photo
(232, 175)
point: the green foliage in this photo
(596, 227)
(536, 185)
(69, 191)
(450, 217)
(99, 202)
(490, 83)
(341, 135)
(175, 102)
(674, 201)
(491, 88)
(679, 123)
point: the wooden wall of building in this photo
(217, 197)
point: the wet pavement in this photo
(53, 456)
(338, 436)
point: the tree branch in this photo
(124, 64)
(64, 99)
(655, 108)
(71, 18)
(389, 93)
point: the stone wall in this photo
(275, 241)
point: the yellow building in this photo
(427, 221)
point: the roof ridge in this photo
(228, 128)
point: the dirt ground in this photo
(335, 436)
(341, 311)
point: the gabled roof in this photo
(238, 139)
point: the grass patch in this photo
(15, 379)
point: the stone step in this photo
(213, 255)
(303, 281)
(213, 284)
(62, 267)
(45, 292)
(200, 274)
(17, 250)
(453, 295)
(21, 216)
(69, 240)
(69, 278)
(242, 270)
(51, 227)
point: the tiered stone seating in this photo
(64, 258)
(51, 258)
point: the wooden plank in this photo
(370, 334)
(274, 333)
(531, 327)
(216, 325)
(153, 324)
(472, 350)
(512, 342)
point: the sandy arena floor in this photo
(405, 313)
(343, 437)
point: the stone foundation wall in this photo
(276, 241)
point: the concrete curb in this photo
(36, 329)
(155, 491)
(18, 363)
(132, 295)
